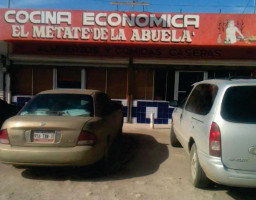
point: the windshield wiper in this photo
(58, 113)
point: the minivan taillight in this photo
(215, 140)
(4, 137)
(87, 138)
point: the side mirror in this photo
(173, 103)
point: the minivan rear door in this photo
(238, 128)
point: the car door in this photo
(186, 119)
(196, 117)
(185, 128)
(176, 117)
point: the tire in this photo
(107, 150)
(173, 139)
(199, 179)
(120, 131)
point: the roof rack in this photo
(234, 77)
(241, 77)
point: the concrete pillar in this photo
(83, 78)
(8, 88)
(129, 92)
(54, 84)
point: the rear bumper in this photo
(66, 156)
(217, 172)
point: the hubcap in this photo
(193, 165)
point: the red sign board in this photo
(135, 51)
(128, 27)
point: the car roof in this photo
(71, 91)
(228, 82)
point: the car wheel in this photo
(107, 150)
(120, 131)
(173, 139)
(198, 176)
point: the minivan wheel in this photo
(199, 179)
(173, 139)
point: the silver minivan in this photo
(216, 125)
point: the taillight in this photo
(87, 138)
(215, 140)
(4, 137)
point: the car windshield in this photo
(59, 105)
(239, 104)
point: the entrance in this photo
(183, 82)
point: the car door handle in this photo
(197, 120)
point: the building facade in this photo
(142, 60)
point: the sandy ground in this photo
(143, 166)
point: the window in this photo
(239, 104)
(42, 79)
(21, 80)
(164, 84)
(160, 84)
(221, 74)
(59, 105)
(28, 80)
(143, 84)
(153, 84)
(170, 85)
(227, 74)
(112, 81)
(201, 99)
(96, 79)
(117, 83)
(69, 77)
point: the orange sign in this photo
(128, 27)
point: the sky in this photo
(169, 6)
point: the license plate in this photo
(44, 136)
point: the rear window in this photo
(59, 105)
(239, 104)
(201, 99)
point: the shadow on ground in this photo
(234, 192)
(134, 155)
(242, 193)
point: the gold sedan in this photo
(61, 127)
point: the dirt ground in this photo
(143, 166)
